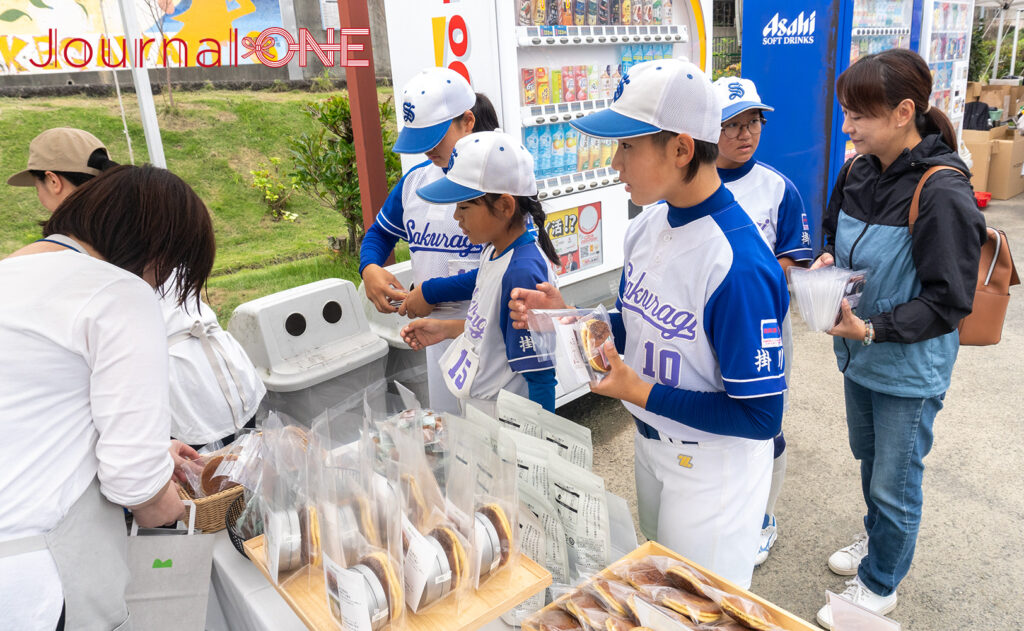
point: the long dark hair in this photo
(139, 219)
(98, 160)
(877, 83)
(483, 113)
(529, 207)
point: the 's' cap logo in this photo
(736, 90)
(407, 112)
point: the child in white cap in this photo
(777, 209)
(490, 179)
(437, 108)
(697, 319)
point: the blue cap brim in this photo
(444, 191)
(743, 106)
(610, 124)
(420, 139)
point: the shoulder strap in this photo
(852, 162)
(916, 202)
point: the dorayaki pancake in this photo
(416, 504)
(551, 620)
(618, 623)
(380, 564)
(697, 608)
(642, 573)
(685, 578)
(458, 560)
(593, 334)
(367, 523)
(613, 594)
(587, 609)
(747, 613)
(681, 620)
(300, 434)
(211, 483)
(499, 520)
(309, 525)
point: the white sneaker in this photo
(769, 533)
(845, 561)
(860, 595)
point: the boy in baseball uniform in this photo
(698, 319)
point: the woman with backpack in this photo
(897, 349)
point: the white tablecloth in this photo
(242, 599)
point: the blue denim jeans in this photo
(890, 436)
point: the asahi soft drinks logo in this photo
(789, 30)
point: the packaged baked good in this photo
(650, 577)
(580, 500)
(746, 612)
(553, 619)
(575, 339)
(522, 415)
(589, 610)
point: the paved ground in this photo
(968, 571)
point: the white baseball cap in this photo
(430, 102)
(484, 162)
(737, 95)
(664, 94)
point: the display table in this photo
(242, 599)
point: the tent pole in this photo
(1016, 34)
(999, 43)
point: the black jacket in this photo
(947, 237)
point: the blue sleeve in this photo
(385, 232)
(542, 387)
(524, 270)
(716, 412)
(793, 231)
(451, 289)
(618, 331)
(743, 322)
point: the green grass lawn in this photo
(212, 140)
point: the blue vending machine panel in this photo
(793, 55)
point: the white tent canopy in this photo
(1014, 7)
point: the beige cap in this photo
(60, 149)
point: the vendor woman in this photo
(84, 395)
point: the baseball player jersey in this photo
(502, 351)
(437, 246)
(774, 205)
(702, 301)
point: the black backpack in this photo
(976, 116)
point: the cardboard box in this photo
(1004, 172)
(973, 91)
(979, 143)
(1005, 97)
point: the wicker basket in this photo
(210, 510)
(235, 511)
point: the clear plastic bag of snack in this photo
(496, 494)
(358, 531)
(650, 576)
(819, 293)
(745, 611)
(552, 619)
(651, 615)
(573, 339)
(586, 607)
(283, 490)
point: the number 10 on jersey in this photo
(662, 365)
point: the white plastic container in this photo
(312, 346)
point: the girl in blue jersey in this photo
(490, 178)
(438, 107)
(698, 314)
(776, 208)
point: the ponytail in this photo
(529, 207)
(98, 160)
(932, 121)
(486, 119)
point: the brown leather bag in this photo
(996, 273)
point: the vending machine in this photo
(794, 52)
(542, 64)
(946, 45)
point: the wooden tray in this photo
(785, 620)
(303, 590)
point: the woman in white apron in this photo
(83, 393)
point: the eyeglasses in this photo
(732, 130)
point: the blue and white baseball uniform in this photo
(702, 302)
(774, 205)
(502, 353)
